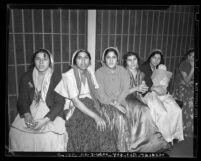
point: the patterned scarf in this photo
(45, 85)
(135, 81)
(92, 86)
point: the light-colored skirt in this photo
(51, 137)
(167, 115)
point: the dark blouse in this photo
(54, 101)
(146, 69)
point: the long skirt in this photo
(167, 115)
(84, 135)
(185, 94)
(144, 134)
(52, 137)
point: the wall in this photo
(62, 31)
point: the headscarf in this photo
(92, 82)
(46, 81)
(103, 56)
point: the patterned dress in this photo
(185, 93)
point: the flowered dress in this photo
(185, 92)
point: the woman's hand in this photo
(101, 125)
(40, 123)
(28, 119)
(142, 88)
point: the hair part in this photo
(77, 53)
(154, 53)
(44, 51)
(110, 50)
(131, 54)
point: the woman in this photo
(165, 111)
(114, 86)
(155, 58)
(184, 91)
(141, 123)
(131, 62)
(39, 125)
(88, 130)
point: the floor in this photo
(183, 149)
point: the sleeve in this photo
(58, 103)
(101, 92)
(67, 87)
(125, 85)
(23, 103)
(184, 67)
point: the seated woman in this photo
(39, 125)
(134, 126)
(145, 136)
(88, 130)
(155, 58)
(184, 91)
(165, 111)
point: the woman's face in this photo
(155, 60)
(42, 62)
(111, 59)
(191, 56)
(82, 61)
(132, 62)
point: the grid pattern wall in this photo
(171, 30)
(59, 31)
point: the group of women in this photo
(112, 109)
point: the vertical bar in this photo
(182, 34)
(61, 40)
(9, 119)
(115, 29)
(108, 36)
(152, 30)
(52, 35)
(77, 29)
(122, 25)
(32, 15)
(177, 41)
(141, 15)
(175, 55)
(24, 46)
(172, 39)
(145, 50)
(163, 29)
(129, 12)
(191, 33)
(69, 36)
(134, 31)
(101, 45)
(168, 32)
(91, 44)
(43, 29)
(158, 28)
(187, 31)
(14, 48)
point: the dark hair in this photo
(34, 56)
(186, 55)
(154, 53)
(77, 53)
(130, 54)
(110, 50)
